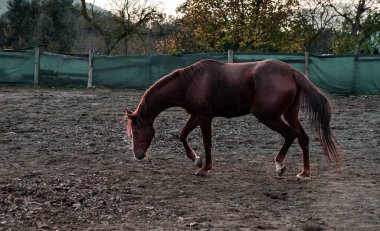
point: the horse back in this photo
(220, 90)
(231, 90)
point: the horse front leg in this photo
(205, 123)
(190, 125)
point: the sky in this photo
(168, 6)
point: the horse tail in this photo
(319, 111)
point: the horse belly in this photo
(231, 107)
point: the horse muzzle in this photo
(139, 154)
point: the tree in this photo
(248, 25)
(371, 33)
(319, 26)
(21, 18)
(313, 27)
(4, 30)
(57, 24)
(36, 22)
(127, 19)
(354, 15)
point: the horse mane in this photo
(185, 73)
(197, 69)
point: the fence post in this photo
(36, 66)
(306, 63)
(90, 68)
(230, 57)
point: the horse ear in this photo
(131, 115)
(129, 112)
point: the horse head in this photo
(140, 132)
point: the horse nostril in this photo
(140, 154)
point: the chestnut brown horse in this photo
(270, 90)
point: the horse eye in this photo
(134, 122)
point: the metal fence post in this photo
(36, 66)
(230, 57)
(90, 68)
(306, 71)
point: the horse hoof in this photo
(302, 176)
(198, 161)
(280, 168)
(201, 172)
(281, 171)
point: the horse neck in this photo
(164, 94)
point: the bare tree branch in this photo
(90, 19)
(129, 18)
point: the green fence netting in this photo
(141, 71)
(333, 74)
(17, 67)
(346, 74)
(122, 72)
(63, 70)
(295, 60)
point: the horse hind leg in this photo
(190, 125)
(289, 135)
(205, 124)
(303, 140)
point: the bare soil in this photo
(65, 164)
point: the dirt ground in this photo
(65, 164)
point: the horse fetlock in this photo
(280, 167)
(198, 161)
(304, 176)
(201, 172)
